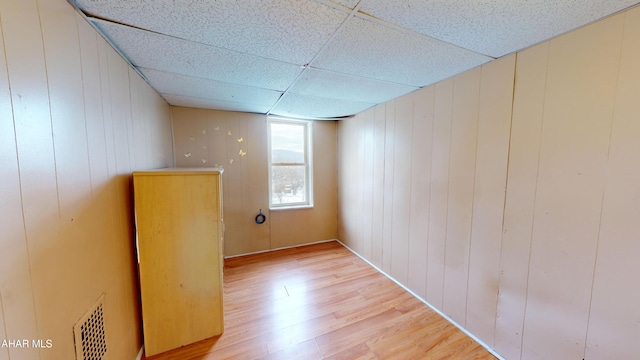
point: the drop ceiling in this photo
(321, 59)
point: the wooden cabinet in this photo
(179, 238)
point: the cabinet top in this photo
(180, 171)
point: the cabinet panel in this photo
(178, 218)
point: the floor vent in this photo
(89, 334)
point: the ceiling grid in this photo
(321, 59)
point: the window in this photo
(290, 171)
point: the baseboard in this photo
(139, 357)
(427, 303)
(281, 248)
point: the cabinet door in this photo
(178, 229)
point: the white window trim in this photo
(309, 163)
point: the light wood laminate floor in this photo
(323, 302)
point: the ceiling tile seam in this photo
(212, 98)
(365, 77)
(107, 39)
(182, 39)
(332, 98)
(115, 47)
(113, 21)
(208, 79)
(305, 66)
(215, 99)
(336, 6)
(406, 31)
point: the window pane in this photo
(290, 164)
(287, 143)
(288, 184)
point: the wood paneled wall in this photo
(75, 120)
(571, 198)
(238, 142)
(512, 206)
(441, 187)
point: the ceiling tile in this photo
(242, 55)
(189, 86)
(155, 51)
(313, 107)
(200, 103)
(369, 49)
(286, 30)
(492, 27)
(334, 85)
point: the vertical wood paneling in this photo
(16, 292)
(494, 123)
(30, 101)
(358, 175)
(348, 213)
(92, 95)
(574, 149)
(368, 181)
(131, 110)
(357, 195)
(159, 133)
(614, 318)
(115, 230)
(401, 187)
(120, 117)
(423, 106)
(248, 197)
(186, 151)
(438, 204)
(60, 152)
(121, 110)
(528, 105)
(389, 176)
(361, 196)
(159, 130)
(110, 139)
(102, 206)
(62, 53)
(235, 215)
(378, 185)
(120, 113)
(107, 114)
(73, 181)
(258, 190)
(542, 271)
(216, 139)
(464, 132)
(138, 136)
(344, 212)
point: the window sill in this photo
(292, 207)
